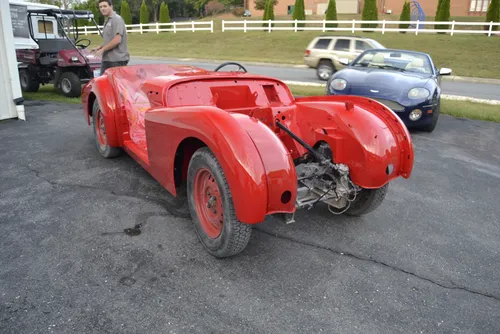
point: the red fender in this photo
(102, 89)
(363, 134)
(249, 175)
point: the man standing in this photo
(114, 50)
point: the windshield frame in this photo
(428, 64)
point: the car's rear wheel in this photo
(325, 69)
(367, 201)
(100, 136)
(211, 207)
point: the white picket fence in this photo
(175, 27)
(355, 25)
(417, 27)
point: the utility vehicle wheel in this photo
(211, 207)
(435, 116)
(70, 84)
(367, 201)
(29, 81)
(101, 139)
(325, 69)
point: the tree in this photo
(125, 12)
(214, 7)
(144, 16)
(493, 13)
(268, 13)
(405, 16)
(164, 13)
(95, 11)
(370, 13)
(331, 14)
(443, 15)
(261, 4)
(299, 12)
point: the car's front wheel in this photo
(435, 116)
(211, 207)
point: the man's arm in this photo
(113, 43)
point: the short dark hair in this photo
(108, 1)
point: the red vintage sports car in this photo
(233, 147)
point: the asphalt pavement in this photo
(469, 89)
(427, 261)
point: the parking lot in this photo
(427, 261)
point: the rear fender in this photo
(363, 134)
(232, 145)
(103, 91)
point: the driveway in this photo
(426, 262)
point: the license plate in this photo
(97, 73)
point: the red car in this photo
(235, 147)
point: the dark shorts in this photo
(108, 64)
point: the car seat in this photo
(377, 60)
(416, 65)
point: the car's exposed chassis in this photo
(321, 180)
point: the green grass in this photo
(466, 55)
(49, 93)
(477, 111)
(465, 109)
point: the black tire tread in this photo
(110, 152)
(367, 201)
(240, 233)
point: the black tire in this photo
(28, 80)
(435, 116)
(100, 138)
(234, 235)
(367, 201)
(178, 205)
(70, 84)
(325, 69)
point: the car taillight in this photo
(307, 53)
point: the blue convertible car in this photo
(405, 81)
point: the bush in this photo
(261, 4)
(331, 14)
(369, 14)
(238, 11)
(405, 16)
(214, 7)
(493, 14)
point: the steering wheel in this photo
(83, 46)
(230, 63)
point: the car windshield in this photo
(394, 60)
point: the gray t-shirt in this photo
(112, 26)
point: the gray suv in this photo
(324, 52)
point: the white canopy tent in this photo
(10, 88)
(14, 34)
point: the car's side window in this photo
(362, 46)
(342, 45)
(322, 43)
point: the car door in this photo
(343, 48)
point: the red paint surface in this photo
(156, 111)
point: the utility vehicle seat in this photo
(54, 45)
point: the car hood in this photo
(380, 83)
